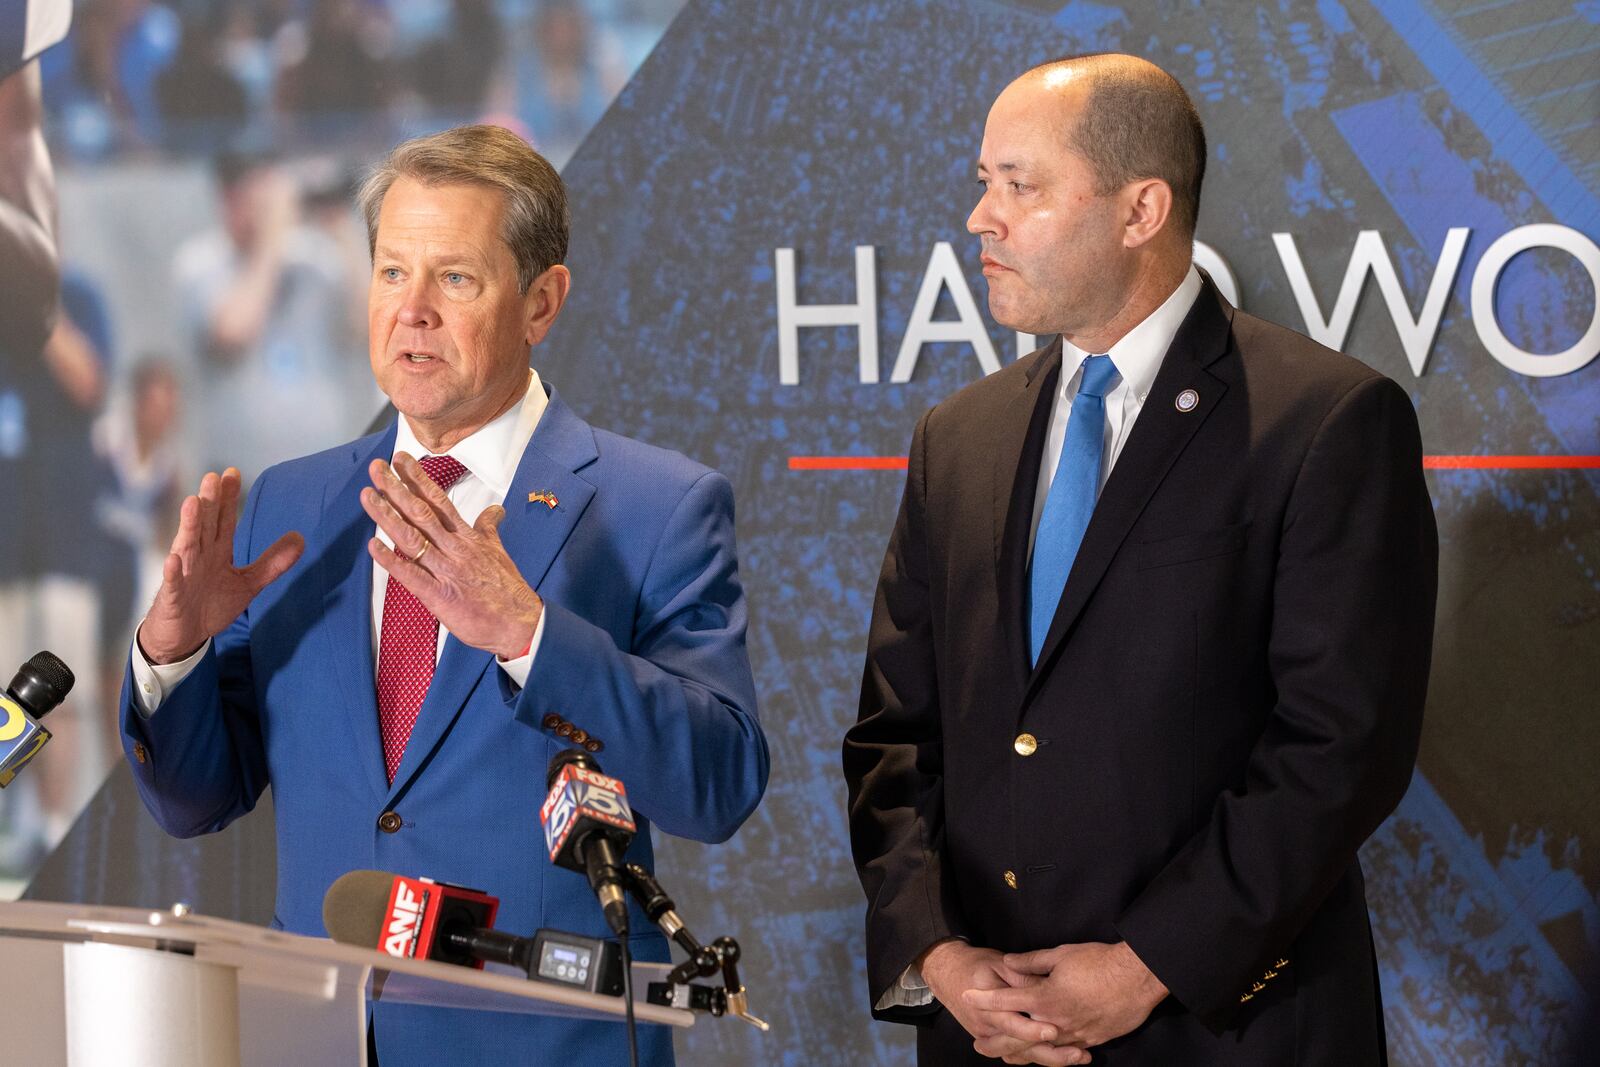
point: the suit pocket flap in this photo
(1190, 547)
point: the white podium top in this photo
(317, 968)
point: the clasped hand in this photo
(1047, 1007)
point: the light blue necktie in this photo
(1070, 502)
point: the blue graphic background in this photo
(823, 126)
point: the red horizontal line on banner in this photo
(847, 463)
(1457, 463)
(898, 463)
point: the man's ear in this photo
(545, 298)
(1147, 207)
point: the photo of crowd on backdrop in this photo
(222, 321)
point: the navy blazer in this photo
(1228, 701)
(643, 648)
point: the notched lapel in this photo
(533, 533)
(1020, 441)
(1012, 438)
(347, 606)
(1159, 436)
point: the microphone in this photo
(419, 918)
(42, 683)
(587, 826)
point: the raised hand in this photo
(201, 590)
(460, 572)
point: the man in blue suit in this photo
(398, 646)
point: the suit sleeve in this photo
(677, 707)
(203, 760)
(1348, 651)
(894, 761)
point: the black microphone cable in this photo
(627, 1003)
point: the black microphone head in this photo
(42, 683)
(575, 757)
(354, 907)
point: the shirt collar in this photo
(490, 453)
(1139, 354)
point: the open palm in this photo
(201, 590)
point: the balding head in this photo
(1130, 120)
(1091, 175)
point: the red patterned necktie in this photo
(408, 645)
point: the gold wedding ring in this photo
(426, 544)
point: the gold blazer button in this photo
(1025, 744)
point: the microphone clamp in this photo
(679, 990)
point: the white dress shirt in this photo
(1137, 358)
(490, 454)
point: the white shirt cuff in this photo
(153, 681)
(908, 991)
(517, 669)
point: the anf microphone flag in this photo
(418, 910)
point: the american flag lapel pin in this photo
(541, 497)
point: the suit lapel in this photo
(347, 603)
(534, 530)
(1024, 424)
(1158, 438)
(533, 533)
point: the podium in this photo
(84, 986)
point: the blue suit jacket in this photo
(644, 648)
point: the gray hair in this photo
(536, 220)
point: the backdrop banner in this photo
(772, 275)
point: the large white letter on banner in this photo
(1416, 335)
(792, 315)
(1484, 279)
(944, 271)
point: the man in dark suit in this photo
(399, 633)
(1151, 640)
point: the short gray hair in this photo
(536, 220)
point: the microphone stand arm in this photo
(680, 990)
